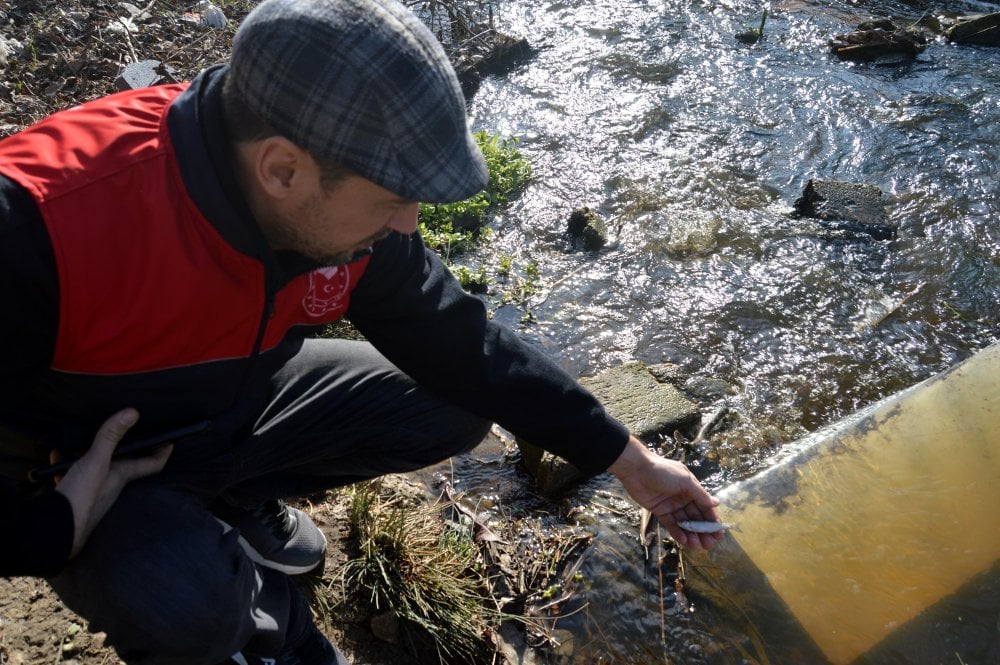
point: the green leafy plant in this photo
(452, 228)
(505, 265)
(519, 289)
(474, 281)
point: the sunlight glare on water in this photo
(693, 148)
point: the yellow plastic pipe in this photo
(867, 525)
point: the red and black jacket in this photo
(134, 275)
(154, 299)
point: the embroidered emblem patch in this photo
(328, 288)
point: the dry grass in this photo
(428, 574)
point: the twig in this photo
(713, 418)
(644, 516)
(659, 569)
(127, 28)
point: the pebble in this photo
(212, 16)
(385, 626)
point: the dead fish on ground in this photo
(696, 526)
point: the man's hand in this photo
(94, 482)
(668, 490)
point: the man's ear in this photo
(278, 167)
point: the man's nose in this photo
(405, 220)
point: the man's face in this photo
(338, 224)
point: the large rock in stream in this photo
(587, 229)
(976, 30)
(848, 208)
(633, 394)
(878, 39)
(489, 53)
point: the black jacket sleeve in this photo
(413, 310)
(40, 527)
(38, 532)
(29, 289)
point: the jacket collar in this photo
(206, 162)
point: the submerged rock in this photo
(586, 227)
(508, 53)
(753, 35)
(845, 206)
(633, 395)
(878, 39)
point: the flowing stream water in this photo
(693, 147)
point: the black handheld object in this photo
(125, 448)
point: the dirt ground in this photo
(36, 629)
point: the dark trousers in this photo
(164, 581)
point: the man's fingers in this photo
(112, 431)
(130, 469)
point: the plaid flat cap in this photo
(365, 84)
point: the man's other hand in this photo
(94, 481)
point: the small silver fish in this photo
(695, 526)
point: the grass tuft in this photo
(431, 579)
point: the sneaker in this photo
(275, 535)
(314, 649)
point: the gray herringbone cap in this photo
(363, 83)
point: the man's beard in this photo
(343, 258)
(284, 233)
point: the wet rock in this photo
(981, 30)
(507, 641)
(709, 388)
(633, 395)
(562, 642)
(493, 53)
(143, 74)
(874, 40)
(508, 53)
(469, 77)
(753, 35)
(587, 229)
(553, 475)
(667, 373)
(512, 647)
(847, 207)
